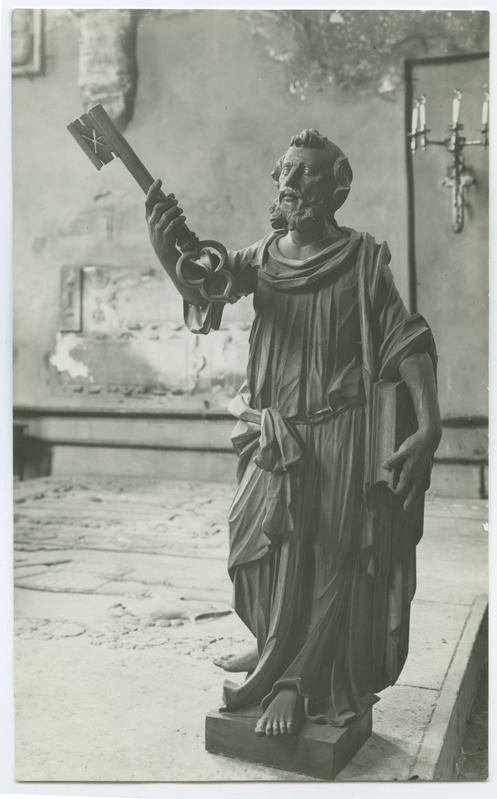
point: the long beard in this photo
(294, 218)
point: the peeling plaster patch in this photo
(162, 362)
(388, 85)
(278, 56)
(107, 61)
(363, 50)
(298, 88)
(62, 359)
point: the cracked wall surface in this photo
(364, 51)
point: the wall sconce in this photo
(457, 177)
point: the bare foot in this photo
(284, 716)
(247, 661)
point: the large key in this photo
(100, 139)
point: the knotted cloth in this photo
(277, 450)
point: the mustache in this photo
(281, 217)
(288, 192)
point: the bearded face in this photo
(291, 211)
(305, 189)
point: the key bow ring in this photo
(216, 282)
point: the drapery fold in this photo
(323, 568)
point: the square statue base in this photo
(319, 750)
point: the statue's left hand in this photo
(410, 465)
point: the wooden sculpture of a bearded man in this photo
(322, 565)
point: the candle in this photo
(484, 111)
(414, 126)
(456, 107)
(414, 123)
(422, 120)
(422, 112)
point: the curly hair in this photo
(341, 171)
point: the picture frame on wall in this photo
(27, 42)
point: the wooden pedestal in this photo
(320, 750)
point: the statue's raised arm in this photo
(165, 219)
(198, 271)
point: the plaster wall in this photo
(218, 96)
(212, 114)
(452, 268)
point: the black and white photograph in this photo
(249, 414)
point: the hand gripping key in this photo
(100, 139)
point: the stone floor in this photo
(472, 763)
(122, 602)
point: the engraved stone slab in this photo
(320, 750)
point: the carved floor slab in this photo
(320, 751)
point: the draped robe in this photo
(322, 565)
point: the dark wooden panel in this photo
(320, 750)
